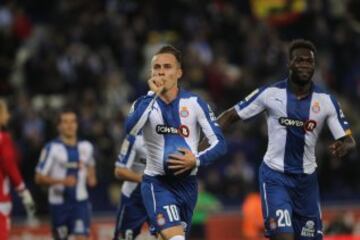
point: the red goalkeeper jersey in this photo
(9, 171)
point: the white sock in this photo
(178, 237)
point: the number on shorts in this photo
(172, 212)
(283, 218)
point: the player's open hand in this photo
(338, 149)
(182, 163)
(70, 181)
(156, 84)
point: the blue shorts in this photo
(131, 214)
(70, 219)
(290, 204)
(169, 201)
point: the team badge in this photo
(160, 219)
(316, 107)
(184, 112)
(272, 224)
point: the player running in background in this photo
(9, 173)
(66, 166)
(171, 119)
(130, 167)
(296, 109)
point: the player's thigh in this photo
(276, 203)
(306, 213)
(80, 219)
(59, 218)
(4, 226)
(161, 205)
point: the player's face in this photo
(166, 67)
(68, 125)
(4, 114)
(302, 65)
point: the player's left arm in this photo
(217, 145)
(340, 129)
(91, 178)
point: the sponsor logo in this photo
(74, 165)
(316, 107)
(309, 229)
(160, 219)
(308, 125)
(184, 112)
(183, 130)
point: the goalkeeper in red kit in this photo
(9, 173)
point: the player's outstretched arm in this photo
(342, 146)
(227, 118)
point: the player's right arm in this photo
(125, 160)
(251, 106)
(43, 167)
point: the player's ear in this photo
(179, 73)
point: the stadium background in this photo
(94, 55)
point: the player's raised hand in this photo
(156, 84)
(182, 163)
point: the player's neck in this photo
(71, 141)
(170, 94)
(300, 90)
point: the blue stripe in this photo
(171, 118)
(47, 152)
(341, 117)
(139, 108)
(73, 157)
(123, 159)
(295, 136)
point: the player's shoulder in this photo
(324, 95)
(191, 97)
(83, 143)
(53, 143)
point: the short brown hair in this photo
(171, 50)
(64, 111)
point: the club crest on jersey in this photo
(160, 219)
(316, 107)
(184, 112)
(308, 125)
(182, 130)
(272, 224)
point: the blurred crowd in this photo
(94, 55)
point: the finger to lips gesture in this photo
(156, 84)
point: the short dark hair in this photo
(171, 50)
(301, 43)
(64, 111)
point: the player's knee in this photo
(178, 237)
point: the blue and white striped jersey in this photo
(167, 127)
(59, 160)
(294, 124)
(132, 156)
